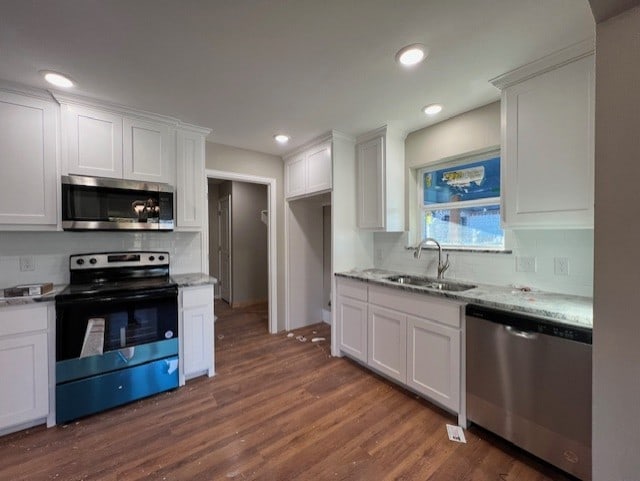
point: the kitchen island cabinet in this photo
(24, 355)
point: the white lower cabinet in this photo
(24, 398)
(196, 332)
(412, 338)
(387, 342)
(433, 361)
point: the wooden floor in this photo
(278, 409)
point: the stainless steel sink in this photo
(430, 283)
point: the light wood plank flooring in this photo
(278, 409)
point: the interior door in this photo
(224, 247)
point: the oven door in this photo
(119, 324)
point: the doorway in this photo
(224, 249)
(267, 218)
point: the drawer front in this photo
(421, 305)
(21, 319)
(352, 289)
(80, 398)
(197, 296)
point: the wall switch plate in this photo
(561, 266)
(525, 264)
(27, 263)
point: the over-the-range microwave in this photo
(97, 203)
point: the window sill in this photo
(479, 250)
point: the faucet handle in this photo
(443, 267)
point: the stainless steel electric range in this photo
(116, 332)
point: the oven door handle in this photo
(137, 296)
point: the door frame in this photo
(272, 234)
(229, 242)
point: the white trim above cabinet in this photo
(548, 142)
(29, 152)
(380, 175)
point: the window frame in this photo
(453, 162)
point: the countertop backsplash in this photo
(391, 253)
(51, 251)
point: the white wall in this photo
(616, 336)
(474, 131)
(51, 251)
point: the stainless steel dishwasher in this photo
(529, 381)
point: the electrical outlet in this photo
(561, 266)
(525, 264)
(27, 263)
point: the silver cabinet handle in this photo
(518, 333)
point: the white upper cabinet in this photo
(190, 179)
(548, 141)
(309, 171)
(29, 153)
(147, 151)
(93, 141)
(105, 143)
(380, 189)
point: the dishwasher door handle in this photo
(523, 334)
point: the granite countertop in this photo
(193, 279)
(18, 301)
(563, 308)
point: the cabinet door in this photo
(433, 361)
(147, 151)
(24, 377)
(28, 181)
(295, 173)
(549, 148)
(352, 319)
(388, 342)
(198, 339)
(190, 180)
(94, 142)
(371, 185)
(319, 168)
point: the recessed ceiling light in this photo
(411, 55)
(432, 109)
(57, 79)
(281, 138)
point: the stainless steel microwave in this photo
(97, 203)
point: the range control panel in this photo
(118, 259)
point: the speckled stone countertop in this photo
(193, 279)
(18, 301)
(566, 309)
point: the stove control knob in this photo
(151, 258)
(161, 258)
(93, 260)
(80, 262)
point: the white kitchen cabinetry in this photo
(352, 315)
(122, 145)
(29, 153)
(24, 398)
(412, 338)
(380, 173)
(148, 151)
(387, 349)
(309, 171)
(190, 180)
(196, 332)
(548, 141)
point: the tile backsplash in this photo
(545, 246)
(51, 251)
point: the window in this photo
(460, 202)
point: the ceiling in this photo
(250, 68)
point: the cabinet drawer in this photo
(351, 288)
(25, 318)
(421, 305)
(197, 296)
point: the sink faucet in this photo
(441, 267)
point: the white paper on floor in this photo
(456, 434)
(318, 339)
